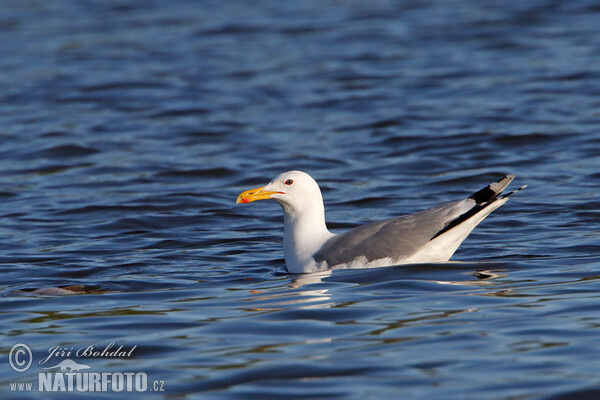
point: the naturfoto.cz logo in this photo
(69, 375)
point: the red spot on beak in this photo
(246, 200)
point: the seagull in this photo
(428, 236)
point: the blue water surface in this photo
(127, 129)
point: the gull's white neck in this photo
(304, 233)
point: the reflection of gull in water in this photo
(308, 279)
(313, 298)
(484, 278)
(310, 291)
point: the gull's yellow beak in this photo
(254, 194)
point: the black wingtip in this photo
(483, 198)
(492, 191)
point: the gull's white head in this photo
(304, 217)
(295, 191)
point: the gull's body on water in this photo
(428, 236)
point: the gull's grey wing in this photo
(395, 238)
(401, 237)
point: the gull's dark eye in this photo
(289, 182)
